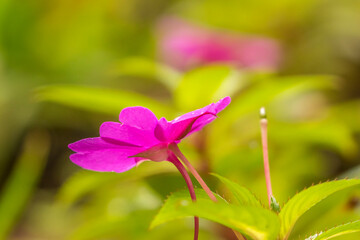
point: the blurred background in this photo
(67, 66)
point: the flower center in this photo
(157, 153)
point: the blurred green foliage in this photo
(66, 66)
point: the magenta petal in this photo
(125, 135)
(91, 144)
(221, 104)
(110, 160)
(195, 120)
(138, 117)
(213, 108)
(182, 128)
(155, 153)
(161, 130)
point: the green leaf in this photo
(255, 222)
(241, 194)
(337, 231)
(312, 133)
(205, 85)
(141, 67)
(100, 100)
(103, 227)
(306, 199)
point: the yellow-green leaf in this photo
(241, 194)
(254, 222)
(347, 228)
(306, 199)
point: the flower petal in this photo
(155, 153)
(109, 160)
(91, 144)
(125, 135)
(213, 108)
(221, 104)
(195, 120)
(186, 45)
(138, 117)
(161, 130)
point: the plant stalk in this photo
(263, 127)
(175, 149)
(182, 170)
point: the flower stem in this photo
(263, 127)
(175, 149)
(182, 170)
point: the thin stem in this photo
(182, 170)
(175, 149)
(263, 127)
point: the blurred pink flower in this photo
(186, 45)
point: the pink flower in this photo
(141, 136)
(185, 46)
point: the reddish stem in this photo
(175, 149)
(182, 170)
(263, 126)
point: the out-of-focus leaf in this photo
(348, 112)
(205, 85)
(84, 182)
(134, 226)
(306, 199)
(100, 100)
(255, 222)
(337, 231)
(268, 90)
(141, 67)
(3, 7)
(317, 132)
(241, 194)
(60, 36)
(250, 16)
(245, 107)
(22, 182)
